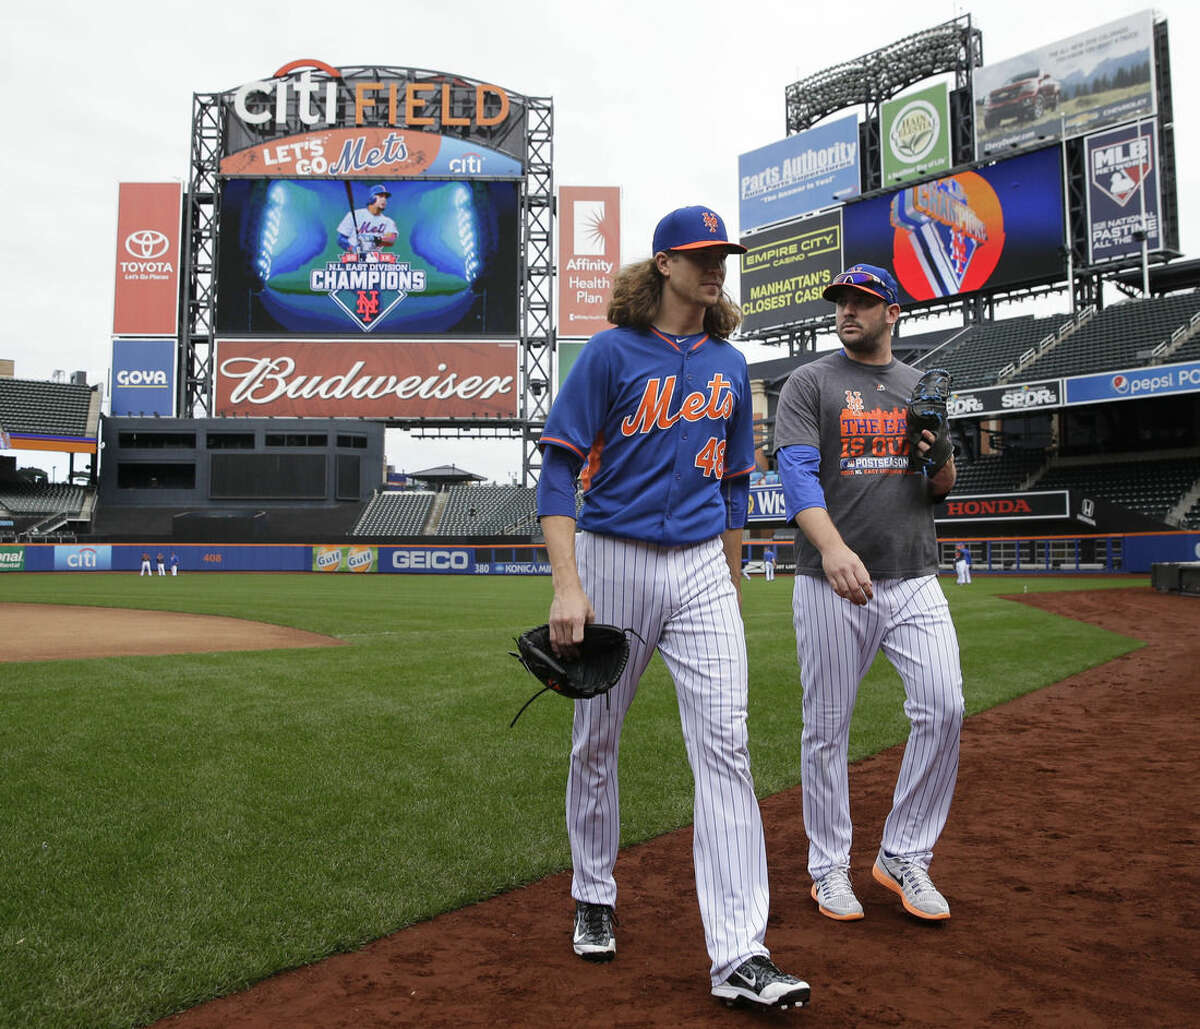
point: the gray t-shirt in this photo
(854, 414)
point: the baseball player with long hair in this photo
(655, 419)
(866, 580)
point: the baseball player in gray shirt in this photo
(866, 580)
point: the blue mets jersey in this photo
(658, 421)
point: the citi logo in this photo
(468, 164)
(146, 244)
(142, 377)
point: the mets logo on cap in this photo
(710, 221)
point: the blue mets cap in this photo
(380, 191)
(866, 278)
(693, 228)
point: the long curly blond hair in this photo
(637, 294)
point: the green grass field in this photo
(176, 828)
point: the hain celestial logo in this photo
(949, 234)
(915, 131)
(367, 286)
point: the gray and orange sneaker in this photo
(835, 896)
(911, 883)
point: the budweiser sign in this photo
(313, 379)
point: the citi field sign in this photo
(312, 119)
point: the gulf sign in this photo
(1134, 383)
(143, 378)
(82, 558)
(146, 269)
(589, 253)
(392, 380)
(344, 559)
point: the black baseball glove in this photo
(927, 410)
(594, 670)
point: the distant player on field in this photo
(368, 229)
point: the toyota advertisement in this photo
(378, 258)
(149, 223)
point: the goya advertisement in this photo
(386, 258)
(1001, 225)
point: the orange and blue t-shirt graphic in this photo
(873, 441)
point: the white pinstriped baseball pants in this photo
(680, 600)
(836, 641)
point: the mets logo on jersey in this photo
(367, 286)
(854, 401)
(654, 408)
(710, 221)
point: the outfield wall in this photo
(1133, 552)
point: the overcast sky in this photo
(657, 98)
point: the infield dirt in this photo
(42, 632)
(1070, 862)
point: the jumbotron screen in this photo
(408, 257)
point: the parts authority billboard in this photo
(802, 173)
